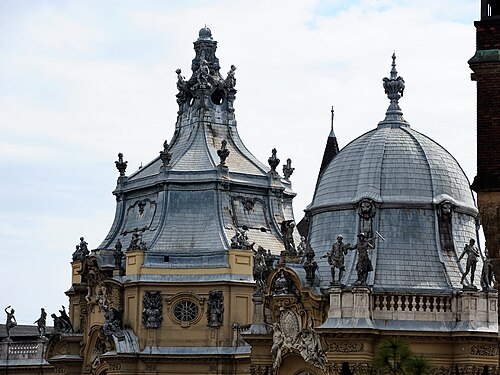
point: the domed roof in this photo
(392, 184)
(205, 33)
(393, 164)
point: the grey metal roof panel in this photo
(393, 164)
(197, 350)
(194, 278)
(411, 258)
(21, 330)
(185, 210)
(191, 223)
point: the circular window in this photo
(186, 311)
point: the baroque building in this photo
(204, 271)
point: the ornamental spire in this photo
(394, 88)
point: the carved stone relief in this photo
(152, 309)
(260, 370)
(289, 336)
(215, 308)
(366, 212)
(445, 213)
(346, 347)
(484, 350)
(140, 215)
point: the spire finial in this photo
(333, 114)
(394, 88)
(332, 133)
(394, 72)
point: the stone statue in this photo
(203, 73)
(181, 82)
(310, 265)
(223, 152)
(118, 255)
(269, 260)
(65, 318)
(82, 251)
(301, 248)
(61, 324)
(364, 264)
(101, 297)
(136, 242)
(113, 325)
(215, 308)
(165, 156)
(230, 81)
(472, 257)
(41, 322)
(278, 341)
(152, 309)
(487, 273)
(309, 347)
(240, 239)
(259, 269)
(287, 227)
(287, 169)
(336, 258)
(11, 321)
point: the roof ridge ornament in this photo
(394, 88)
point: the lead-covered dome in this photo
(397, 165)
(408, 193)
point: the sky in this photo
(81, 81)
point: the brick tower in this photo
(485, 65)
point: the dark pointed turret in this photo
(331, 148)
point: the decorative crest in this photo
(394, 88)
(121, 165)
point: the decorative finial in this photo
(287, 169)
(394, 88)
(333, 114)
(223, 152)
(121, 165)
(165, 156)
(273, 160)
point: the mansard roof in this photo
(188, 202)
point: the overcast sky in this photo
(81, 81)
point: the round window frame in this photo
(173, 302)
(187, 309)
